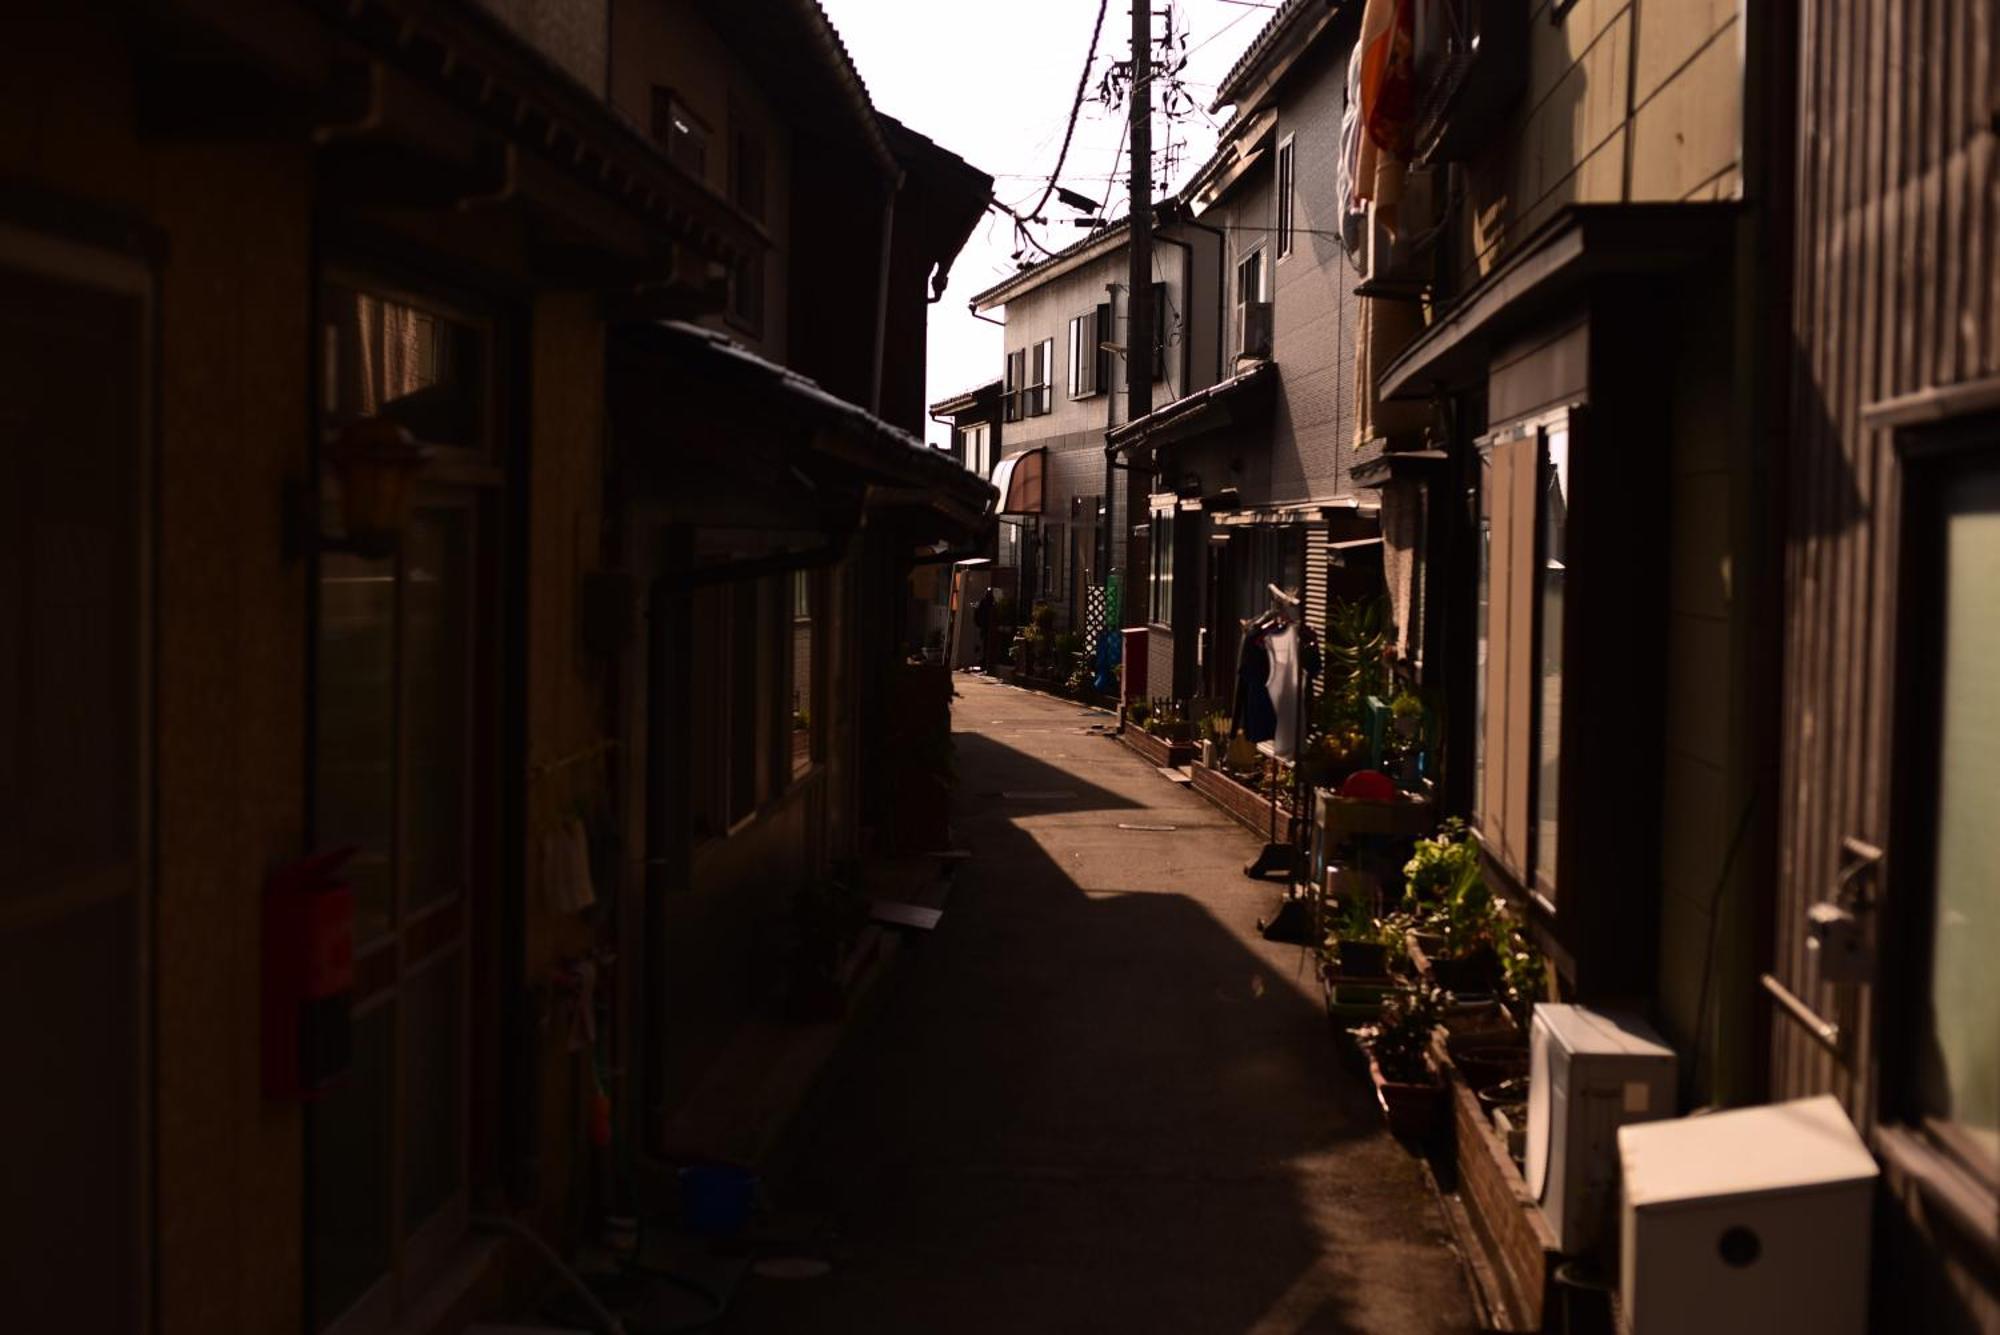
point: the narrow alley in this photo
(1097, 1100)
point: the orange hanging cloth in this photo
(1388, 74)
(1388, 104)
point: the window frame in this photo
(1160, 534)
(694, 138)
(1520, 867)
(445, 931)
(1086, 357)
(1039, 366)
(1950, 1171)
(1253, 255)
(1286, 195)
(1012, 387)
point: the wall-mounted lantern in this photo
(375, 460)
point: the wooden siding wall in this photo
(1897, 291)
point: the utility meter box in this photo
(1747, 1221)
(1589, 1073)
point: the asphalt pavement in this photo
(1094, 1099)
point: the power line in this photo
(1075, 109)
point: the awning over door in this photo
(1018, 479)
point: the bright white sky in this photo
(992, 80)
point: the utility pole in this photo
(1139, 313)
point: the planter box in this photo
(1514, 1240)
(1410, 817)
(1240, 800)
(1160, 752)
(1415, 1113)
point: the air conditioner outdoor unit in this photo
(1589, 1073)
(1253, 332)
(1399, 264)
(1746, 1221)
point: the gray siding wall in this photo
(1315, 312)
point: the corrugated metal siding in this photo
(1319, 554)
(1896, 292)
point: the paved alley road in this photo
(1095, 1100)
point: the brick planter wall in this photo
(1518, 1245)
(1243, 802)
(1155, 749)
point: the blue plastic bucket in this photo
(716, 1198)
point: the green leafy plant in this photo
(1138, 712)
(1523, 970)
(1357, 666)
(1400, 1038)
(1215, 728)
(1043, 618)
(1439, 865)
(1405, 707)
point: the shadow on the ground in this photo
(1098, 1112)
(996, 777)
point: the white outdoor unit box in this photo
(1589, 1073)
(1745, 1222)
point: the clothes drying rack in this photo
(1292, 920)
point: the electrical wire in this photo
(1075, 109)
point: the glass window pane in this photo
(1555, 556)
(414, 366)
(1962, 1062)
(1481, 633)
(348, 1175)
(802, 671)
(437, 664)
(743, 674)
(433, 1088)
(355, 734)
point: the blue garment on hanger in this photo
(1256, 717)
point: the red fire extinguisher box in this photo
(308, 976)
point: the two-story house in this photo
(1252, 476)
(409, 403)
(1063, 387)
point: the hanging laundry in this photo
(1253, 714)
(1282, 646)
(1353, 207)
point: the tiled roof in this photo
(1246, 66)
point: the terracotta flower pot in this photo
(1413, 1111)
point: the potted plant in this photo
(1360, 945)
(1399, 1063)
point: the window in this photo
(977, 441)
(1016, 383)
(805, 649)
(1086, 353)
(1518, 622)
(78, 340)
(746, 295)
(747, 176)
(408, 360)
(1041, 368)
(681, 133)
(1250, 279)
(1160, 606)
(1253, 313)
(1287, 190)
(1554, 489)
(1950, 743)
(403, 739)
(1161, 320)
